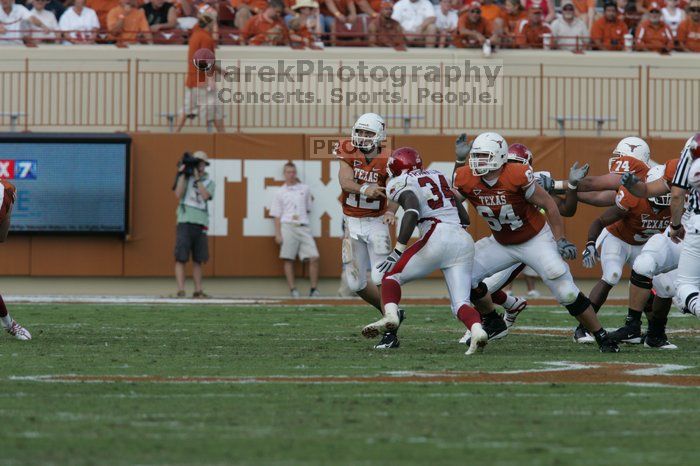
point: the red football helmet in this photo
(519, 153)
(403, 160)
(693, 146)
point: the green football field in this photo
(210, 385)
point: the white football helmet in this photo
(654, 174)
(370, 122)
(631, 147)
(694, 175)
(489, 152)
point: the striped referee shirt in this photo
(680, 179)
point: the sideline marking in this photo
(562, 372)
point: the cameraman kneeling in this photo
(194, 189)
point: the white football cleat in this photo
(389, 323)
(512, 313)
(479, 339)
(534, 294)
(19, 332)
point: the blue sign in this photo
(66, 186)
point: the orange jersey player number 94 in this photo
(512, 219)
(364, 171)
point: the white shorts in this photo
(499, 279)
(370, 244)
(614, 254)
(444, 246)
(689, 261)
(201, 101)
(297, 240)
(540, 253)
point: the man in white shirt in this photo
(446, 20)
(290, 208)
(417, 19)
(79, 24)
(12, 19)
(569, 32)
(47, 18)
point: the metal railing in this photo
(136, 95)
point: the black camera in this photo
(189, 162)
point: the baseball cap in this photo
(305, 4)
(473, 5)
(653, 6)
(609, 4)
(567, 3)
(201, 155)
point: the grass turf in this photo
(296, 423)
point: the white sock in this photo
(391, 309)
(6, 321)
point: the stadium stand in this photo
(621, 25)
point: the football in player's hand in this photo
(203, 59)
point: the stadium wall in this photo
(247, 167)
(107, 88)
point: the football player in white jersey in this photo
(428, 201)
(366, 212)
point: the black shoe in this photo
(581, 335)
(607, 344)
(389, 340)
(630, 333)
(495, 327)
(658, 342)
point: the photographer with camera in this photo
(193, 189)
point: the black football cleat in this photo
(607, 344)
(659, 341)
(581, 335)
(390, 339)
(494, 325)
(630, 333)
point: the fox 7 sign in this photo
(18, 169)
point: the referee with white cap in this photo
(290, 208)
(685, 220)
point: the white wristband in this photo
(558, 185)
(400, 247)
(363, 189)
(572, 186)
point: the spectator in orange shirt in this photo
(385, 31)
(299, 32)
(343, 11)
(689, 30)
(608, 32)
(530, 32)
(546, 6)
(472, 29)
(585, 10)
(490, 11)
(653, 34)
(268, 27)
(127, 23)
(514, 15)
(200, 87)
(630, 14)
(245, 9)
(372, 8)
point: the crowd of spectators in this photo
(655, 25)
